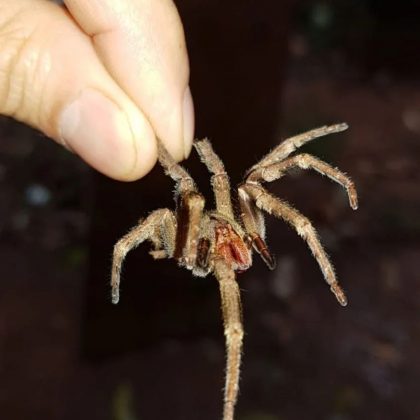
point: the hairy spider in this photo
(219, 242)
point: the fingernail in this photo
(188, 121)
(99, 131)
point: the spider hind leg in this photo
(232, 320)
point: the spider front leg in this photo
(304, 161)
(189, 215)
(219, 180)
(288, 146)
(159, 227)
(189, 212)
(267, 202)
(232, 319)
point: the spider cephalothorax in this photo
(220, 242)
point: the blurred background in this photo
(260, 71)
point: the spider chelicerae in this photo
(220, 242)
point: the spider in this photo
(220, 242)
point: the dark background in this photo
(260, 71)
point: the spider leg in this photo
(304, 161)
(253, 220)
(219, 180)
(189, 212)
(189, 215)
(159, 227)
(267, 202)
(288, 146)
(184, 182)
(232, 319)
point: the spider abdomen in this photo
(231, 247)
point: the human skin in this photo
(103, 78)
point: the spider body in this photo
(221, 243)
(231, 246)
(220, 237)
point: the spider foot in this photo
(339, 294)
(353, 196)
(115, 295)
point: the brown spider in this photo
(218, 242)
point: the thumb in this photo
(52, 79)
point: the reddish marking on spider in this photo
(232, 248)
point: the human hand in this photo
(102, 77)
